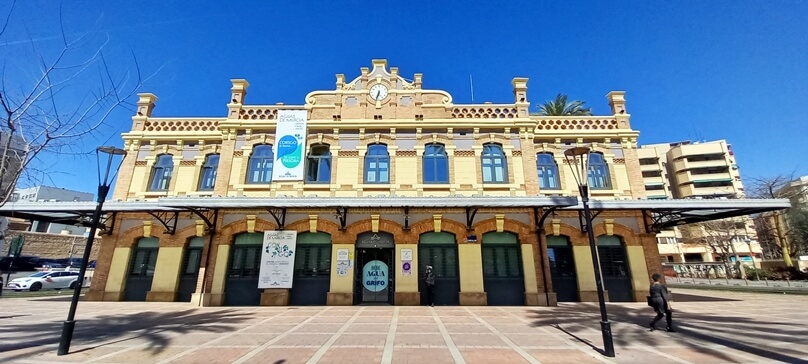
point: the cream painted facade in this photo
(700, 170)
(491, 256)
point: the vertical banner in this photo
(277, 259)
(290, 145)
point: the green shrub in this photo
(757, 274)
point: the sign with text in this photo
(374, 276)
(277, 259)
(290, 146)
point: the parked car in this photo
(21, 263)
(45, 280)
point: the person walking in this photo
(430, 285)
(661, 303)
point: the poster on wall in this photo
(277, 259)
(342, 262)
(290, 146)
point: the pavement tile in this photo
(422, 356)
(492, 356)
(419, 339)
(714, 327)
(352, 356)
(282, 356)
(563, 356)
(303, 340)
(488, 340)
(212, 355)
(314, 327)
(143, 356)
(705, 355)
(466, 328)
(269, 328)
(431, 327)
(368, 328)
(252, 339)
(361, 339)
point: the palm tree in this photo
(560, 107)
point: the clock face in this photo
(378, 92)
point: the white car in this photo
(45, 280)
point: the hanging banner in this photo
(277, 259)
(290, 144)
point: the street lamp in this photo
(103, 188)
(577, 158)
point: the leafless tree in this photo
(772, 227)
(720, 236)
(68, 98)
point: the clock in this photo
(378, 92)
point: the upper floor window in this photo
(161, 173)
(495, 168)
(319, 164)
(548, 171)
(260, 165)
(599, 172)
(207, 177)
(436, 164)
(377, 164)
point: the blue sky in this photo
(692, 70)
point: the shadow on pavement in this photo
(155, 327)
(681, 297)
(698, 329)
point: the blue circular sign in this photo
(374, 276)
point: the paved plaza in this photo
(714, 327)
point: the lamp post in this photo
(580, 170)
(103, 188)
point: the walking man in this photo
(430, 285)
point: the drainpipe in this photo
(207, 257)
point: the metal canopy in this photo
(662, 214)
(658, 214)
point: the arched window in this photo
(495, 167)
(548, 171)
(260, 165)
(207, 177)
(161, 173)
(377, 164)
(599, 172)
(436, 164)
(319, 164)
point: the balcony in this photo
(683, 164)
(687, 178)
(689, 191)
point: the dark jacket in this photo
(430, 278)
(659, 297)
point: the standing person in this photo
(660, 302)
(430, 285)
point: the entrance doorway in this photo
(375, 259)
(614, 265)
(141, 269)
(562, 268)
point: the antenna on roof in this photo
(471, 84)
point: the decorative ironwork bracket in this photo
(209, 216)
(582, 221)
(406, 218)
(342, 215)
(545, 214)
(471, 212)
(168, 219)
(279, 214)
(103, 226)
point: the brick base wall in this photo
(53, 246)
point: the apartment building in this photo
(696, 170)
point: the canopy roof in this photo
(664, 213)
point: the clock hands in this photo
(377, 94)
